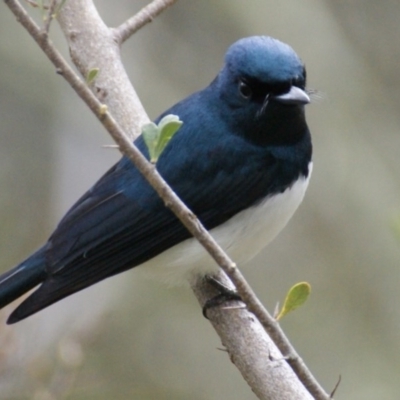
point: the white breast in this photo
(242, 237)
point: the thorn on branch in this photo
(237, 307)
(150, 17)
(222, 349)
(292, 358)
(283, 358)
(336, 387)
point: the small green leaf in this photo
(169, 119)
(296, 296)
(150, 136)
(91, 75)
(158, 136)
(168, 126)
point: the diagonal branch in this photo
(191, 223)
(143, 17)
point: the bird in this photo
(241, 162)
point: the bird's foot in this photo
(226, 294)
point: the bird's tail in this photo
(22, 278)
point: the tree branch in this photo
(252, 350)
(143, 17)
(50, 15)
(92, 45)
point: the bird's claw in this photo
(226, 294)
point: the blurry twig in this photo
(51, 11)
(35, 4)
(50, 15)
(336, 387)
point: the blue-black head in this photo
(263, 84)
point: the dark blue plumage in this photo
(241, 162)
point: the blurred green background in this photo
(128, 338)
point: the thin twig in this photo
(171, 200)
(34, 4)
(336, 387)
(50, 15)
(143, 17)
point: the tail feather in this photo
(22, 278)
(44, 296)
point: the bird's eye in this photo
(245, 90)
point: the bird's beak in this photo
(294, 96)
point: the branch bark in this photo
(252, 350)
(93, 45)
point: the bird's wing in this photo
(111, 228)
(121, 222)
